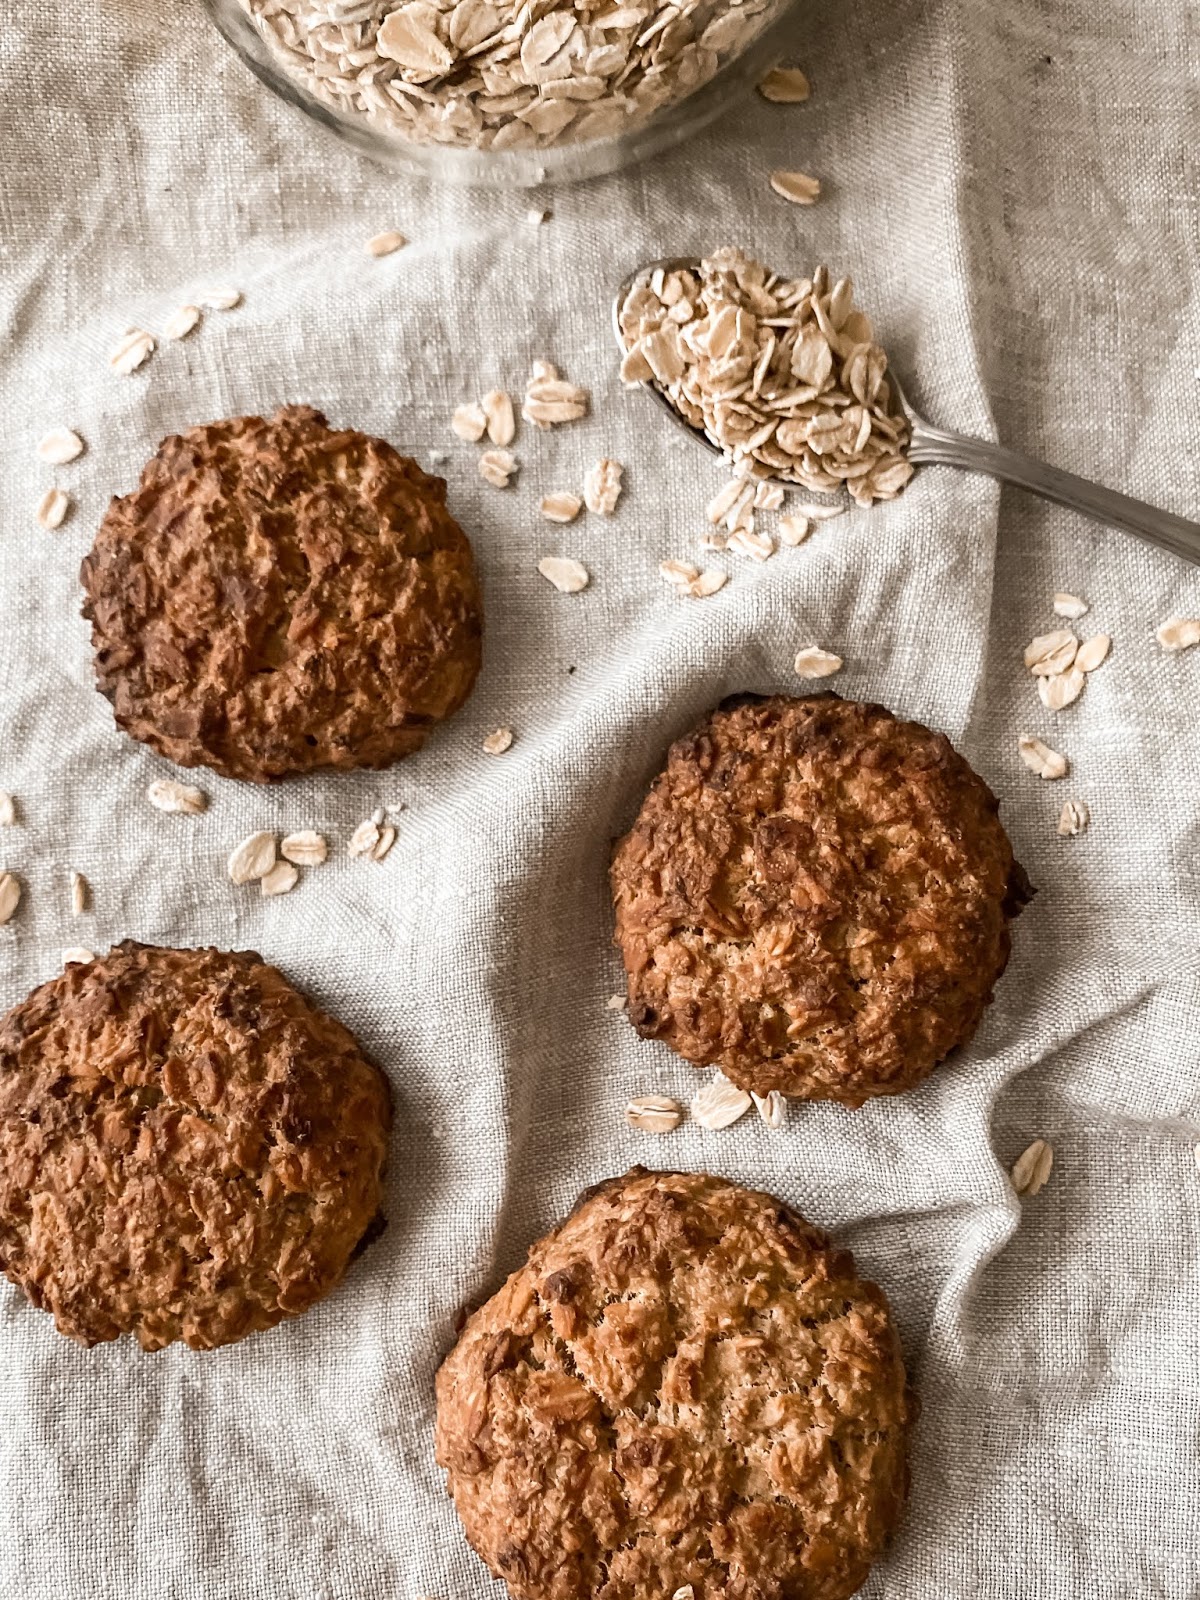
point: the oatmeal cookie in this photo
(279, 596)
(189, 1149)
(685, 1384)
(815, 897)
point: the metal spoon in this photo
(930, 446)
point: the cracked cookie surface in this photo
(815, 897)
(189, 1149)
(685, 1384)
(279, 596)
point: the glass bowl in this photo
(552, 93)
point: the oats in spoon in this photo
(782, 374)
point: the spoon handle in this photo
(933, 446)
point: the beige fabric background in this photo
(1014, 187)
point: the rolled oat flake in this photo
(52, 509)
(253, 858)
(10, 896)
(305, 848)
(60, 446)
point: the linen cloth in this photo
(1014, 189)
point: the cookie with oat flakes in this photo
(685, 1384)
(189, 1149)
(279, 596)
(815, 897)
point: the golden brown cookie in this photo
(685, 1384)
(815, 898)
(189, 1149)
(279, 596)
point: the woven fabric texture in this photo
(1015, 191)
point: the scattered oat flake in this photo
(813, 662)
(723, 502)
(134, 350)
(387, 838)
(364, 839)
(679, 574)
(1179, 633)
(740, 515)
(768, 496)
(59, 446)
(469, 422)
(282, 879)
(551, 400)
(653, 1113)
(77, 955)
(10, 896)
(1039, 758)
(567, 575)
(167, 795)
(560, 506)
(1070, 606)
(784, 86)
(1051, 653)
(1093, 652)
(798, 187)
(52, 509)
(602, 486)
(535, 216)
(182, 322)
(220, 299)
(305, 848)
(497, 408)
(772, 1108)
(498, 741)
(720, 1103)
(1074, 818)
(497, 467)
(1032, 1168)
(746, 542)
(80, 894)
(253, 858)
(8, 809)
(1063, 689)
(386, 244)
(793, 530)
(616, 1002)
(709, 582)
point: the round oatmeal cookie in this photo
(189, 1149)
(815, 898)
(686, 1384)
(279, 596)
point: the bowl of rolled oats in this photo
(508, 92)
